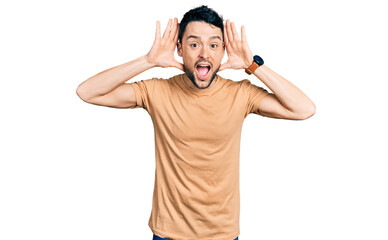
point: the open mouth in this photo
(203, 70)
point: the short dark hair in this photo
(203, 14)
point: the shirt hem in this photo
(173, 237)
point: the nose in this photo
(204, 53)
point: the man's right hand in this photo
(109, 87)
(162, 51)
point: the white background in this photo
(73, 170)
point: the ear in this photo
(179, 49)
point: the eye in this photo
(194, 45)
(213, 45)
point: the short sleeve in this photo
(254, 95)
(144, 91)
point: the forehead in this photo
(202, 30)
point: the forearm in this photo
(287, 93)
(106, 81)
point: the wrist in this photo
(256, 63)
(248, 62)
(148, 61)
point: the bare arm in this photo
(288, 101)
(108, 88)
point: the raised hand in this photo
(163, 48)
(239, 53)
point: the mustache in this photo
(203, 61)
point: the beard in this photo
(190, 75)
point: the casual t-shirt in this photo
(197, 143)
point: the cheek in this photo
(220, 53)
(218, 58)
(188, 59)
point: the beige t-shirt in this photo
(197, 145)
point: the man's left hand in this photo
(239, 53)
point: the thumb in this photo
(178, 65)
(224, 66)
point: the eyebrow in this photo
(197, 37)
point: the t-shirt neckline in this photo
(213, 86)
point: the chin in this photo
(201, 84)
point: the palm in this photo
(162, 51)
(239, 54)
(235, 61)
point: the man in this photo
(197, 119)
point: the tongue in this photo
(202, 72)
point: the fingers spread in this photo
(176, 34)
(168, 29)
(226, 40)
(174, 26)
(175, 30)
(229, 31)
(243, 34)
(235, 34)
(157, 33)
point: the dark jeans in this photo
(159, 238)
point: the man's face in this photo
(202, 52)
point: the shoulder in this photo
(249, 86)
(241, 84)
(249, 89)
(231, 82)
(245, 83)
(157, 81)
(167, 81)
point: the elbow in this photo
(80, 93)
(308, 112)
(303, 113)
